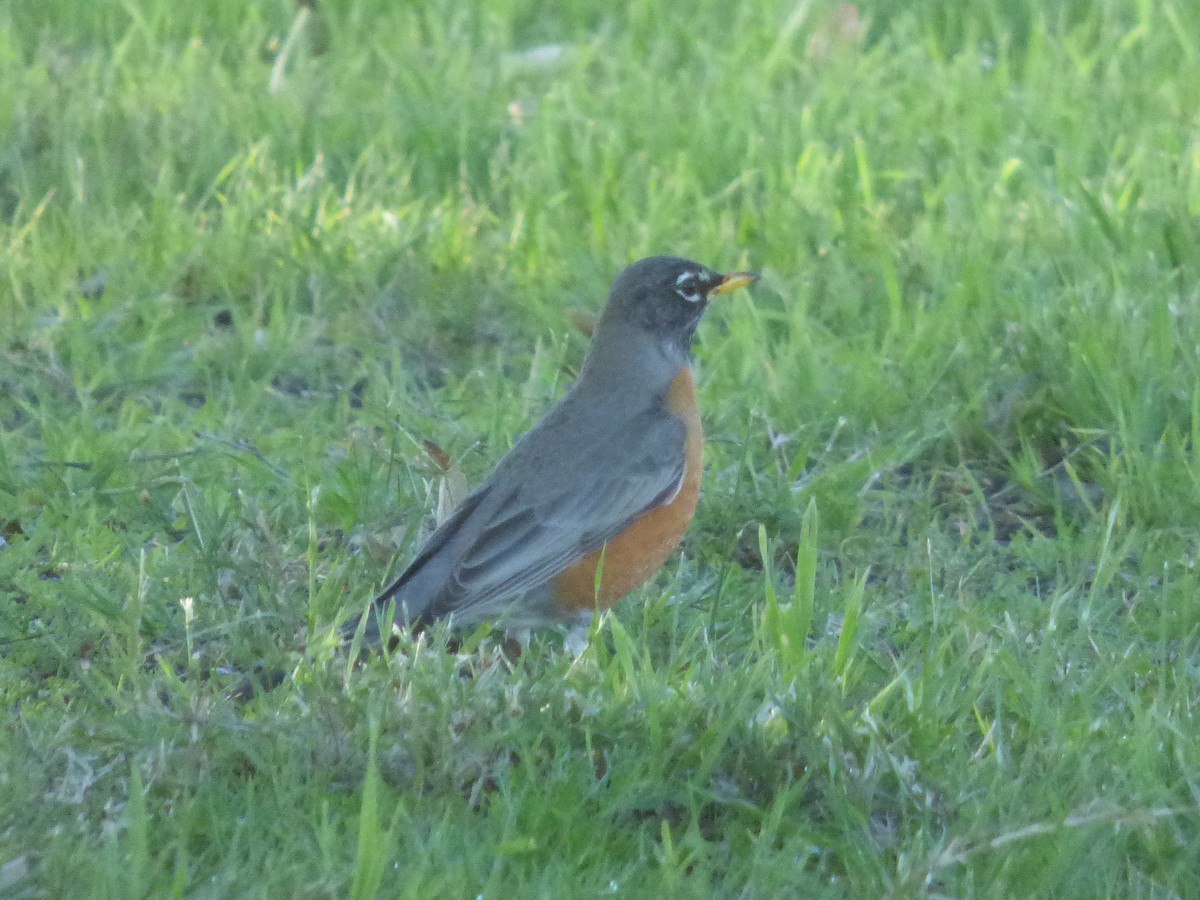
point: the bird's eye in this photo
(688, 287)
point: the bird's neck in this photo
(624, 356)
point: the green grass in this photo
(963, 405)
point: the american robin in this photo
(590, 503)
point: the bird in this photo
(591, 502)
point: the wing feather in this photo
(509, 538)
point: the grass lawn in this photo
(936, 628)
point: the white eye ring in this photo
(691, 296)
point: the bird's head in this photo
(666, 296)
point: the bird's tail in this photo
(406, 602)
(386, 612)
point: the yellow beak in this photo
(732, 282)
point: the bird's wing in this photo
(513, 534)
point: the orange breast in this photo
(633, 556)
